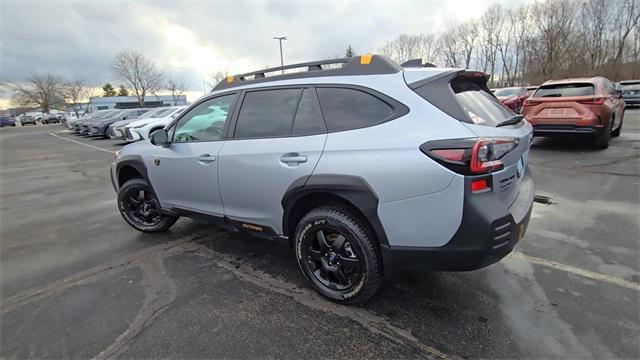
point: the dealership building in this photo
(130, 102)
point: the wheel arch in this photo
(353, 192)
(130, 167)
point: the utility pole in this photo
(280, 38)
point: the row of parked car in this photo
(590, 106)
(129, 125)
(8, 120)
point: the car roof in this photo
(592, 80)
(358, 65)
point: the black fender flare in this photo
(132, 161)
(353, 189)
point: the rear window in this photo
(346, 109)
(561, 90)
(478, 104)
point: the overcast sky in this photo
(191, 39)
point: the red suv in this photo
(583, 106)
(511, 97)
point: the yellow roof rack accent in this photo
(229, 79)
(366, 59)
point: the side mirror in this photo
(618, 93)
(160, 138)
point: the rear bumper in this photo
(550, 130)
(488, 232)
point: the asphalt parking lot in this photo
(77, 282)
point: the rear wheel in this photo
(140, 208)
(337, 255)
(616, 132)
(602, 140)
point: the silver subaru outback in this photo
(364, 165)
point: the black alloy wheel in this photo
(338, 254)
(332, 259)
(140, 207)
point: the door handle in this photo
(206, 158)
(293, 158)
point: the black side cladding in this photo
(353, 189)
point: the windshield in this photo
(105, 114)
(561, 90)
(624, 87)
(162, 113)
(506, 92)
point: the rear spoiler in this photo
(442, 96)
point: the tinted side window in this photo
(345, 109)
(205, 122)
(309, 117)
(267, 113)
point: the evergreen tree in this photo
(349, 53)
(123, 91)
(108, 90)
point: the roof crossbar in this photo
(357, 65)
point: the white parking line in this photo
(81, 143)
(578, 271)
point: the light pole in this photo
(280, 38)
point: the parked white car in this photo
(140, 130)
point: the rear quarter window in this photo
(345, 108)
(562, 90)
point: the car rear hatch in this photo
(464, 96)
(565, 103)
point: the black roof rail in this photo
(357, 65)
(416, 63)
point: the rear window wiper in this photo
(511, 121)
(552, 95)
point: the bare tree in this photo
(466, 35)
(554, 21)
(625, 22)
(218, 76)
(139, 73)
(490, 23)
(176, 88)
(406, 47)
(449, 49)
(40, 91)
(78, 94)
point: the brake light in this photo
(470, 156)
(530, 103)
(594, 101)
(479, 185)
(450, 154)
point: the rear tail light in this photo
(594, 101)
(470, 156)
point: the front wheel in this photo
(338, 255)
(140, 208)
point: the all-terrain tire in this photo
(160, 223)
(362, 246)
